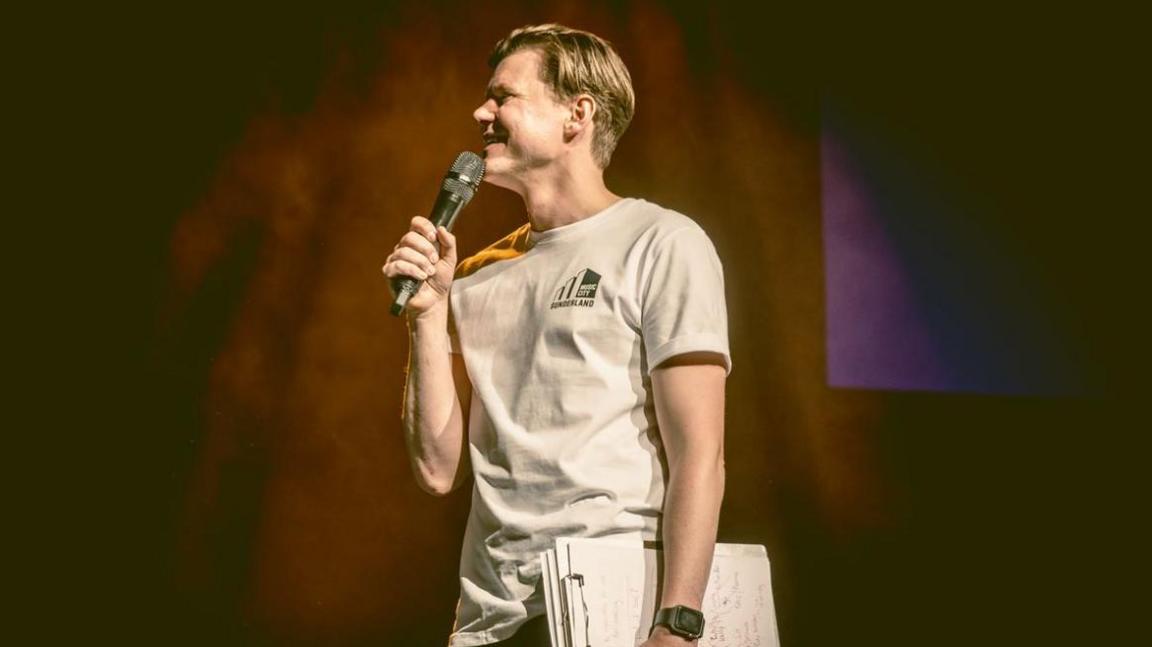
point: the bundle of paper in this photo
(604, 592)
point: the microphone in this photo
(459, 185)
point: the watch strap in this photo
(681, 620)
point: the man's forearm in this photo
(691, 515)
(689, 396)
(433, 416)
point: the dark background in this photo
(218, 417)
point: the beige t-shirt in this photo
(559, 330)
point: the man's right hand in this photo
(428, 254)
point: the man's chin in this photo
(496, 169)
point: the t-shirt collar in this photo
(576, 228)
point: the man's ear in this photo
(580, 119)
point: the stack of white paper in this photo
(603, 593)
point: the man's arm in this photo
(437, 395)
(689, 394)
(437, 392)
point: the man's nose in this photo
(485, 113)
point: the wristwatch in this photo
(683, 621)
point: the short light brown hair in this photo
(576, 62)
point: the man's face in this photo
(520, 120)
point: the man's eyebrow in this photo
(498, 89)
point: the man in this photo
(578, 365)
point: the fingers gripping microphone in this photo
(459, 185)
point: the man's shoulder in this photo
(660, 222)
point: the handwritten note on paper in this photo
(738, 605)
(619, 591)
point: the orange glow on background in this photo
(278, 506)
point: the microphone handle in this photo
(444, 212)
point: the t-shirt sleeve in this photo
(682, 299)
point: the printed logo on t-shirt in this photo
(578, 291)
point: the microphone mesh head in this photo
(468, 168)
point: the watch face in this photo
(690, 621)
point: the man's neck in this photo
(558, 201)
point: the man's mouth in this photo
(492, 138)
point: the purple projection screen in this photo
(930, 284)
(877, 336)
